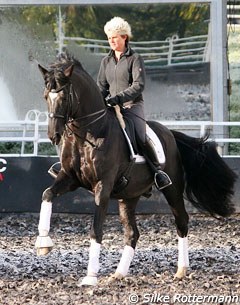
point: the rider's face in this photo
(117, 42)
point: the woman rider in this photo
(121, 79)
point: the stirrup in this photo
(165, 176)
(53, 172)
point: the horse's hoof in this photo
(43, 251)
(89, 281)
(181, 273)
(115, 277)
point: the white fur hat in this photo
(117, 25)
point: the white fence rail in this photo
(34, 130)
(31, 130)
(172, 51)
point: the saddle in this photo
(131, 139)
(129, 132)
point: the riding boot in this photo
(161, 179)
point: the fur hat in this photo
(117, 25)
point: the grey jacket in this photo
(125, 78)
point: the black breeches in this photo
(136, 114)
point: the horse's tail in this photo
(209, 180)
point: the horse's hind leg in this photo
(61, 185)
(176, 202)
(131, 234)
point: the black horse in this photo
(95, 156)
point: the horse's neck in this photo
(90, 112)
(89, 100)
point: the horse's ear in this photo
(68, 71)
(42, 69)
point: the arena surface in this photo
(214, 276)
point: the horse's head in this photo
(72, 96)
(57, 94)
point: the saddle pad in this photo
(155, 142)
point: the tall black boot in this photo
(161, 179)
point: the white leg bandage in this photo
(94, 252)
(45, 217)
(183, 260)
(126, 259)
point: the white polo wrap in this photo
(94, 252)
(45, 217)
(126, 259)
(183, 260)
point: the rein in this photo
(102, 112)
(92, 122)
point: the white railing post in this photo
(36, 135)
(219, 65)
(202, 130)
(60, 31)
(170, 49)
(23, 142)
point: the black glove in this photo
(113, 101)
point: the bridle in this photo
(54, 115)
(70, 117)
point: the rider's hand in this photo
(113, 101)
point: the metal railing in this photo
(34, 130)
(172, 51)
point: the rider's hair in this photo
(117, 25)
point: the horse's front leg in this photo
(44, 243)
(96, 235)
(131, 234)
(62, 184)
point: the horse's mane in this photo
(64, 60)
(55, 72)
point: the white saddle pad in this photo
(155, 142)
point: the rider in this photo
(121, 79)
